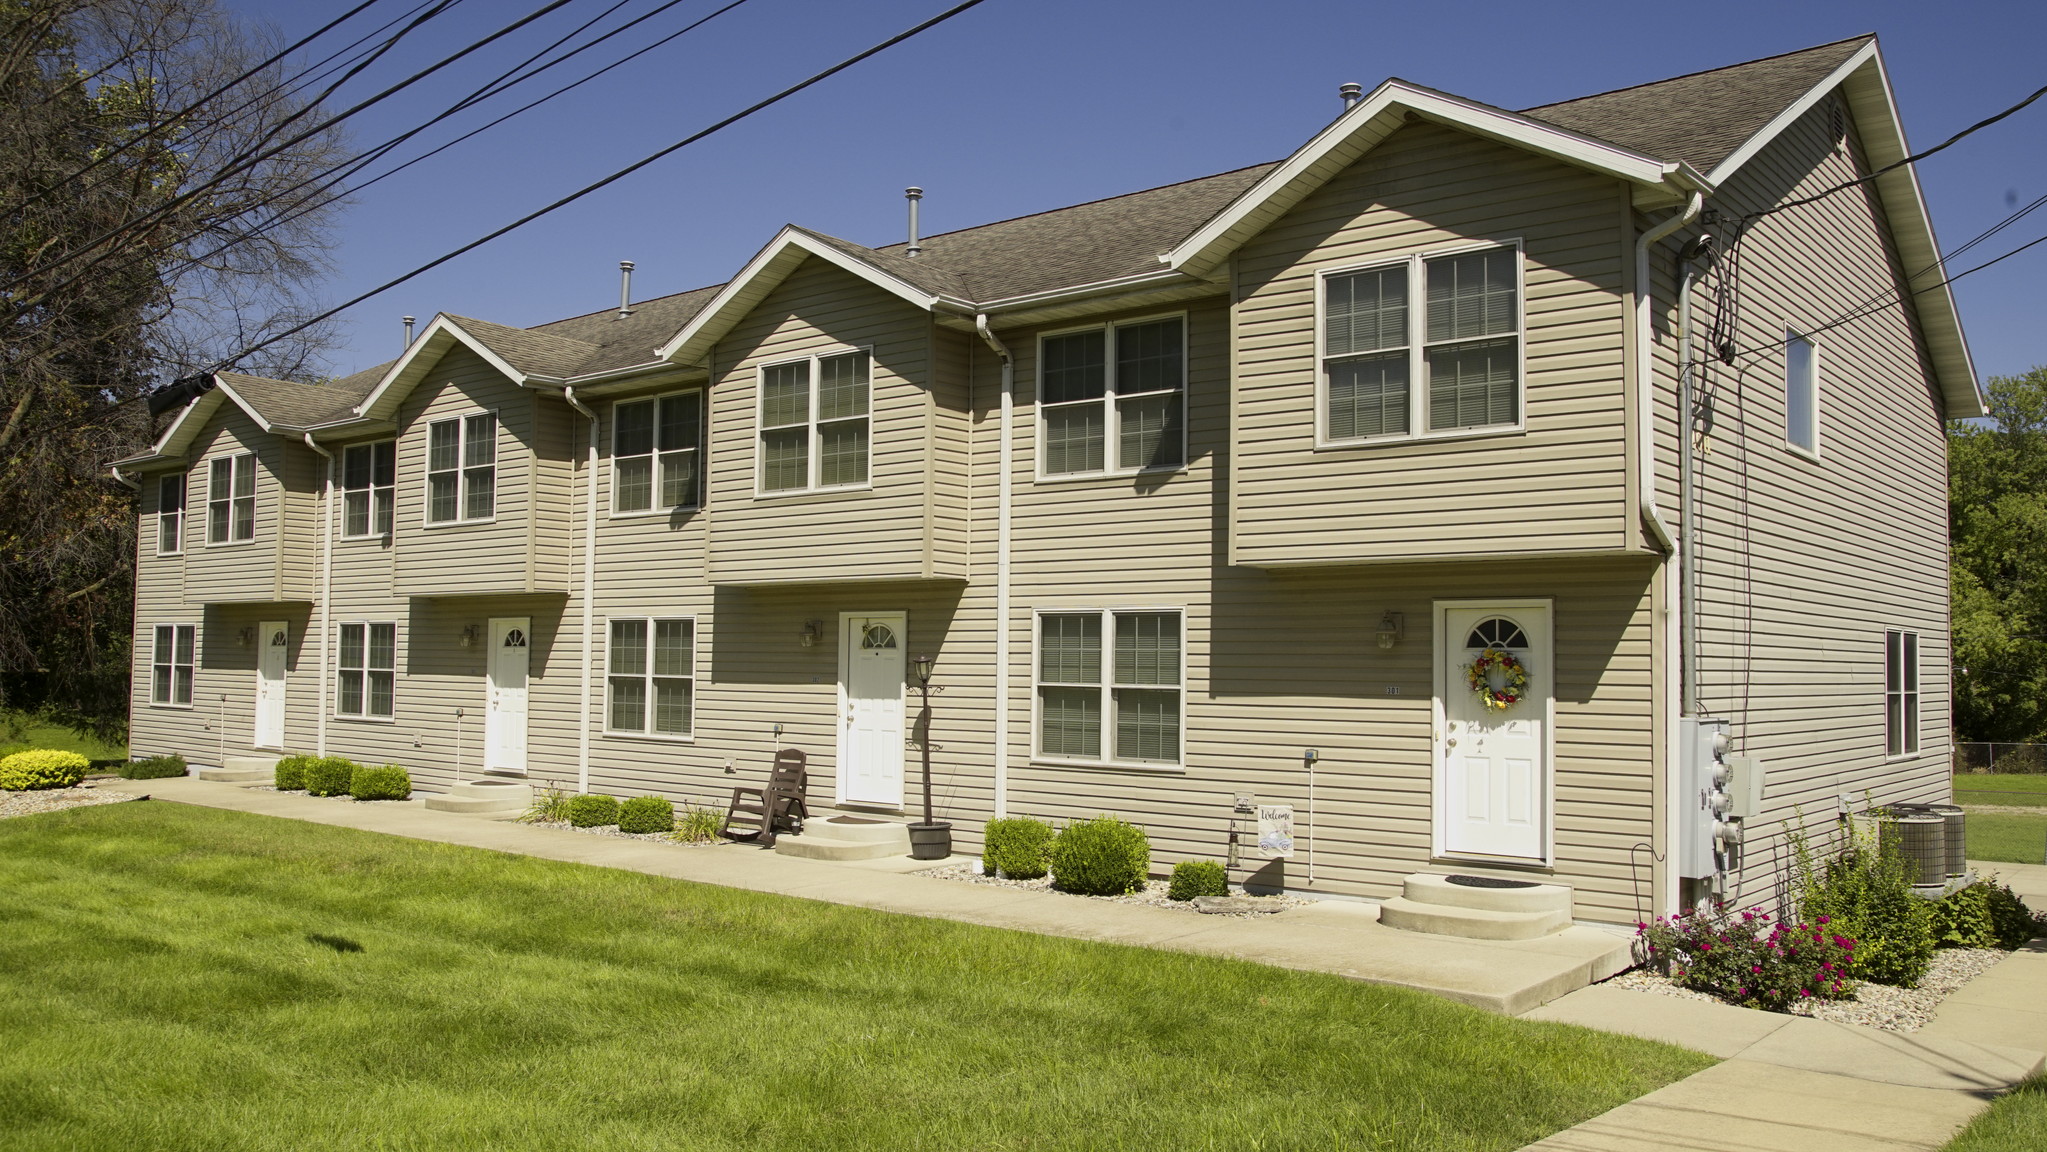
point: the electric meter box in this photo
(1744, 787)
(1703, 801)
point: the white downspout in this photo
(1673, 564)
(326, 591)
(589, 592)
(1002, 507)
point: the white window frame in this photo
(815, 459)
(647, 677)
(1418, 347)
(1107, 686)
(462, 469)
(191, 666)
(377, 495)
(657, 455)
(231, 501)
(1902, 668)
(172, 520)
(1794, 336)
(365, 670)
(1112, 437)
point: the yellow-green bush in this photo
(329, 776)
(41, 768)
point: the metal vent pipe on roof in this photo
(1351, 93)
(625, 289)
(409, 321)
(913, 194)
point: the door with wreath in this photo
(1495, 682)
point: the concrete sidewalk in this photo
(1340, 937)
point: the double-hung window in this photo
(813, 423)
(1462, 346)
(1117, 702)
(231, 499)
(652, 676)
(368, 479)
(461, 469)
(1801, 393)
(655, 448)
(170, 514)
(367, 671)
(171, 662)
(1114, 399)
(1901, 692)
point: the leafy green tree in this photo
(1997, 510)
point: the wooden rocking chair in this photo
(761, 813)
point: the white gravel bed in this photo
(612, 830)
(1153, 896)
(1874, 1005)
(57, 800)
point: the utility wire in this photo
(613, 178)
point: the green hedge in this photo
(155, 768)
(386, 782)
(646, 814)
(1101, 857)
(291, 772)
(1019, 848)
(593, 811)
(329, 776)
(1193, 878)
(41, 768)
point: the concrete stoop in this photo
(1431, 903)
(243, 770)
(486, 797)
(846, 837)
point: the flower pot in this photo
(931, 841)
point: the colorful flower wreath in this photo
(1513, 679)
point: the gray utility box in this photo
(1702, 799)
(1744, 787)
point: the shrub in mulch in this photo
(1751, 958)
(643, 814)
(384, 782)
(1193, 878)
(1104, 856)
(592, 811)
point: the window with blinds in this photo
(1118, 702)
(462, 474)
(656, 449)
(1463, 345)
(366, 671)
(231, 499)
(1113, 399)
(368, 475)
(814, 423)
(173, 656)
(651, 676)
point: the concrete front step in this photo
(1471, 923)
(1427, 888)
(866, 829)
(243, 770)
(847, 838)
(483, 797)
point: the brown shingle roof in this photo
(293, 405)
(624, 343)
(530, 350)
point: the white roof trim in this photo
(760, 276)
(1790, 116)
(221, 385)
(183, 428)
(1370, 121)
(429, 346)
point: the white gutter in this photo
(1002, 508)
(589, 593)
(326, 590)
(1645, 433)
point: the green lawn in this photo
(2013, 837)
(2017, 1122)
(35, 735)
(2002, 788)
(178, 978)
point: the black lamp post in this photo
(931, 840)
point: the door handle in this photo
(1451, 742)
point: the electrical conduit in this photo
(589, 590)
(1002, 509)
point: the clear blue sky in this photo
(1018, 106)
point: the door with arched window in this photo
(504, 719)
(871, 687)
(1495, 676)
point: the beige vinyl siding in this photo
(159, 599)
(1559, 487)
(950, 444)
(273, 565)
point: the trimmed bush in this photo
(1104, 856)
(329, 776)
(291, 772)
(385, 782)
(1019, 848)
(593, 811)
(155, 768)
(646, 814)
(41, 768)
(1193, 878)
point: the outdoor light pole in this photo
(931, 840)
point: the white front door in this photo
(504, 717)
(274, 639)
(1492, 763)
(871, 666)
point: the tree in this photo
(107, 118)
(1997, 512)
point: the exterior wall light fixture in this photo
(246, 637)
(1392, 626)
(471, 633)
(813, 631)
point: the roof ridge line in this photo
(1688, 75)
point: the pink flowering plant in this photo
(1750, 958)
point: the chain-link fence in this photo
(2016, 759)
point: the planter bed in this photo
(1154, 894)
(612, 830)
(1873, 1005)
(57, 800)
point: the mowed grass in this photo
(2010, 837)
(2017, 1122)
(2002, 788)
(62, 739)
(180, 978)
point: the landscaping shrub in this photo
(42, 768)
(1750, 959)
(699, 825)
(329, 775)
(1961, 919)
(155, 768)
(386, 782)
(1017, 847)
(646, 814)
(291, 772)
(550, 805)
(1866, 893)
(1101, 857)
(1193, 878)
(592, 811)
(2012, 923)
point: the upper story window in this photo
(1131, 378)
(170, 514)
(172, 658)
(1801, 393)
(655, 449)
(1901, 693)
(1117, 703)
(814, 415)
(369, 475)
(461, 469)
(1462, 346)
(231, 499)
